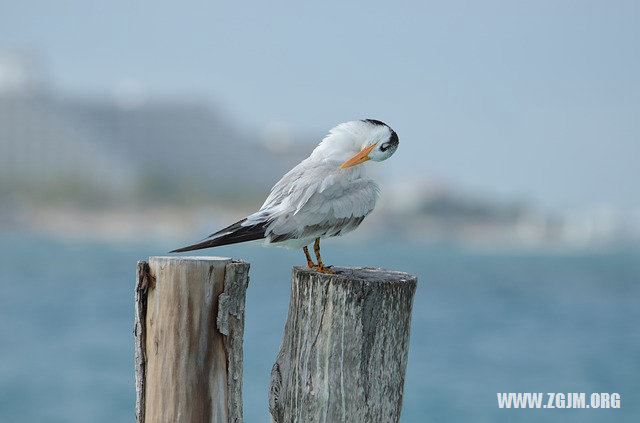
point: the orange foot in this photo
(323, 269)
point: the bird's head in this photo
(358, 141)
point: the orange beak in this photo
(361, 157)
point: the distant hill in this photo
(156, 149)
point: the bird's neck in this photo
(338, 146)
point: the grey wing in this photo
(316, 200)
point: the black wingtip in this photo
(240, 234)
(199, 246)
(189, 248)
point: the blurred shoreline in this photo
(167, 224)
(135, 166)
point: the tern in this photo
(327, 194)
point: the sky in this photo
(536, 100)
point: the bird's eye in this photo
(385, 146)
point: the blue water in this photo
(483, 323)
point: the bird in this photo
(327, 194)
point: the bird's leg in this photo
(316, 249)
(310, 262)
(320, 267)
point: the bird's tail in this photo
(232, 234)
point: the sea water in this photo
(483, 323)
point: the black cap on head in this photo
(394, 137)
(376, 122)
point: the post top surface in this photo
(367, 274)
(191, 258)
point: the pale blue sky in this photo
(537, 99)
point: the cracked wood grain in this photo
(189, 331)
(344, 352)
(143, 280)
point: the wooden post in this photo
(189, 324)
(344, 353)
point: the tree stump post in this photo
(189, 325)
(344, 352)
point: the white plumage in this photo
(314, 200)
(327, 194)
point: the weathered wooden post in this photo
(344, 353)
(189, 324)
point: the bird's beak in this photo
(361, 157)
